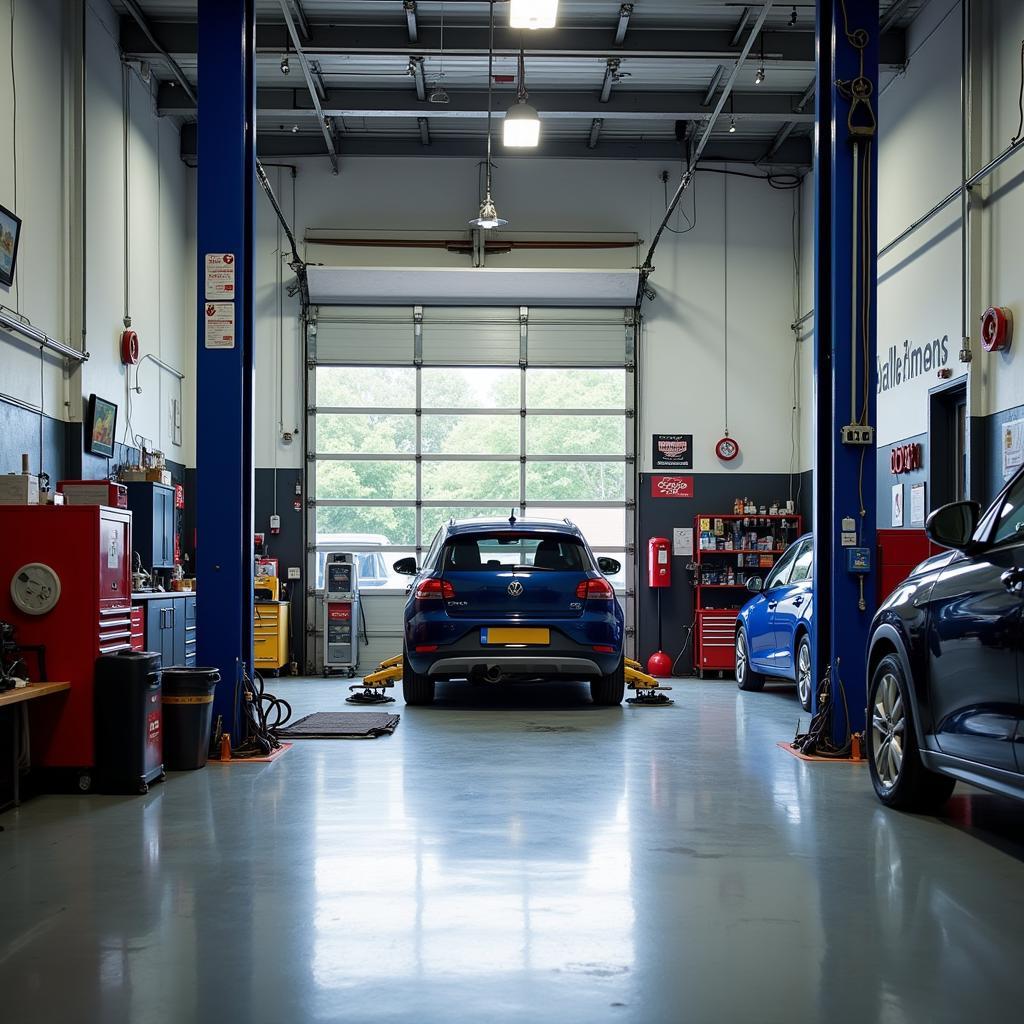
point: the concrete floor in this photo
(516, 856)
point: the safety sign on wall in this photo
(673, 451)
(220, 276)
(671, 486)
(220, 325)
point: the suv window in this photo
(508, 549)
(1010, 521)
(779, 576)
(804, 563)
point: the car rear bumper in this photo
(497, 666)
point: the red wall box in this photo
(89, 548)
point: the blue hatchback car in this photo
(511, 599)
(773, 629)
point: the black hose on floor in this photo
(263, 714)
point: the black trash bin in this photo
(128, 721)
(188, 713)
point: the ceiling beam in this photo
(795, 152)
(323, 119)
(625, 11)
(794, 46)
(424, 127)
(410, 20)
(611, 76)
(416, 70)
(740, 26)
(300, 18)
(295, 104)
(716, 80)
(595, 132)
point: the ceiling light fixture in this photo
(759, 77)
(533, 14)
(488, 217)
(285, 69)
(732, 117)
(521, 129)
(792, 17)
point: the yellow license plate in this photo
(490, 636)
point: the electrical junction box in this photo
(857, 435)
(341, 612)
(858, 560)
(294, 573)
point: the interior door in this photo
(790, 605)
(975, 618)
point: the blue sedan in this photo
(773, 629)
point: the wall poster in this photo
(673, 451)
(897, 504)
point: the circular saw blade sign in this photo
(996, 329)
(727, 449)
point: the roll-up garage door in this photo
(422, 414)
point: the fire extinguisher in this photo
(659, 576)
(297, 503)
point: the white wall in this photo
(682, 370)
(161, 250)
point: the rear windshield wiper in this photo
(533, 568)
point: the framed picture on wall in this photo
(10, 232)
(100, 427)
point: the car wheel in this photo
(609, 690)
(899, 777)
(804, 685)
(417, 689)
(746, 677)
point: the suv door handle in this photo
(1013, 580)
(798, 601)
(772, 605)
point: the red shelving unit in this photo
(720, 585)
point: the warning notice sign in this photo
(220, 276)
(220, 325)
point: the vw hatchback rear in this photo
(512, 599)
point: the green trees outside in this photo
(386, 432)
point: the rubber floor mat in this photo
(341, 725)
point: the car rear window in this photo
(507, 549)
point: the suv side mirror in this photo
(755, 584)
(406, 566)
(609, 566)
(953, 525)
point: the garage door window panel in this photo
(576, 435)
(471, 480)
(569, 481)
(348, 524)
(468, 434)
(453, 388)
(366, 479)
(575, 388)
(365, 434)
(367, 387)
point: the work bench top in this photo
(31, 691)
(162, 594)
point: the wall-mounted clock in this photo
(35, 589)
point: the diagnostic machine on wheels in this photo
(341, 613)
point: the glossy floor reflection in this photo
(515, 855)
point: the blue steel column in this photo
(224, 375)
(844, 477)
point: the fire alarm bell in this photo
(996, 329)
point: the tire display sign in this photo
(671, 486)
(673, 451)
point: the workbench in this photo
(11, 726)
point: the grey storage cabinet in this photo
(190, 631)
(153, 522)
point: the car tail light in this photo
(426, 648)
(604, 649)
(597, 590)
(431, 589)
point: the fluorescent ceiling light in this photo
(533, 13)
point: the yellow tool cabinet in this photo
(270, 635)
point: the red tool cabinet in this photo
(720, 583)
(89, 549)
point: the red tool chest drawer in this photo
(138, 628)
(716, 636)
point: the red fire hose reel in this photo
(129, 348)
(996, 329)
